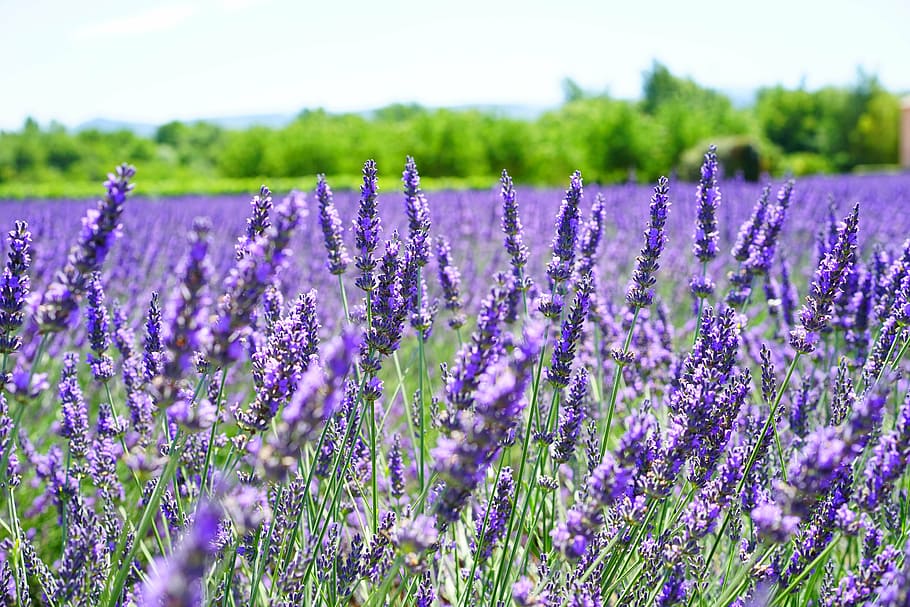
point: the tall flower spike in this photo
(564, 351)
(332, 229)
(14, 287)
(829, 279)
(248, 279)
(559, 270)
(641, 292)
(762, 249)
(450, 280)
(184, 331)
(367, 228)
(96, 325)
(153, 356)
(707, 197)
(75, 413)
(511, 227)
(750, 228)
(100, 228)
(179, 578)
(590, 239)
(463, 458)
(418, 212)
(258, 221)
(571, 418)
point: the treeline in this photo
(793, 130)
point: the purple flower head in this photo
(491, 525)
(15, 287)
(640, 293)
(100, 228)
(178, 581)
(416, 535)
(258, 221)
(609, 481)
(418, 212)
(763, 246)
(750, 228)
(396, 468)
(462, 459)
(389, 306)
(450, 281)
(829, 279)
(75, 413)
(184, 330)
(367, 228)
(590, 240)
(279, 365)
(707, 197)
(512, 229)
(478, 354)
(564, 351)
(332, 229)
(247, 281)
(96, 326)
(559, 270)
(153, 352)
(571, 418)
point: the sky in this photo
(154, 61)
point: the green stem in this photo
(113, 593)
(617, 378)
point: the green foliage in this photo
(796, 130)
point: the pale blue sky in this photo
(154, 61)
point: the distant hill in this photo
(526, 112)
(228, 122)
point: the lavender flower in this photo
(332, 229)
(248, 279)
(829, 278)
(258, 221)
(75, 412)
(571, 418)
(14, 287)
(389, 309)
(514, 234)
(481, 352)
(491, 526)
(450, 280)
(640, 293)
(462, 458)
(184, 330)
(279, 366)
(559, 270)
(153, 353)
(96, 324)
(367, 228)
(608, 482)
(590, 239)
(179, 580)
(418, 212)
(100, 228)
(564, 351)
(396, 468)
(761, 250)
(707, 196)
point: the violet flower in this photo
(332, 229)
(14, 287)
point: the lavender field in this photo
(686, 394)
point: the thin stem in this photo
(617, 377)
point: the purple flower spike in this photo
(14, 287)
(332, 229)
(707, 196)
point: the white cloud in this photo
(157, 19)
